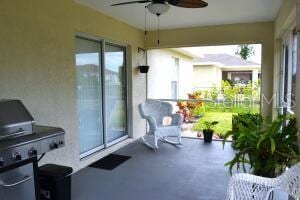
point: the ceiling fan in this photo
(159, 7)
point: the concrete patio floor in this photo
(194, 171)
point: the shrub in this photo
(187, 108)
(240, 119)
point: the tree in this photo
(245, 51)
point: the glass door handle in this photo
(15, 183)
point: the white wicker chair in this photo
(251, 187)
(154, 112)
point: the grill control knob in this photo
(61, 142)
(32, 152)
(54, 145)
(16, 156)
(1, 162)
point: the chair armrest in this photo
(248, 185)
(177, 119)
(151, 120)
(250, 178)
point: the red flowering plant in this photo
(186, 108)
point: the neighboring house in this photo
(170, 74)
(177, 72)
(211, 69)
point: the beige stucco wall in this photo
(285, 17)
(159, 76)
(37, 64)
(226, 34)
(206, 76)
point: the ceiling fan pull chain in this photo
(158, 29)
(145, 20)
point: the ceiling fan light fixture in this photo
(158, 8)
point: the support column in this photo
(254, 75)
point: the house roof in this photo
(225, 59)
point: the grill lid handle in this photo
(15, 134)
(15, 183)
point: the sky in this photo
(225, 49)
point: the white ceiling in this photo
(218, 12)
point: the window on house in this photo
(288, 73)
(174, 78)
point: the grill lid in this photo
(15, 119)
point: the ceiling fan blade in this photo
(130, 2)
(188, 3)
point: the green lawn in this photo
(224, 119)
(221, 112)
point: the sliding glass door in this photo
(89, 95)
(101, 94)
(115, 92)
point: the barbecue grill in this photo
(21, 142)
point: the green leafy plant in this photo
(210, 125)
(267, 147)
(230, 92)
(256, 118)
(240, 119)
(208, 130)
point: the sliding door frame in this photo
(102, 146)
(127, 74)
(286, 72)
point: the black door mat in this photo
(110, 162)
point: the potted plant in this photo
(265, 150)
(209, 131)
